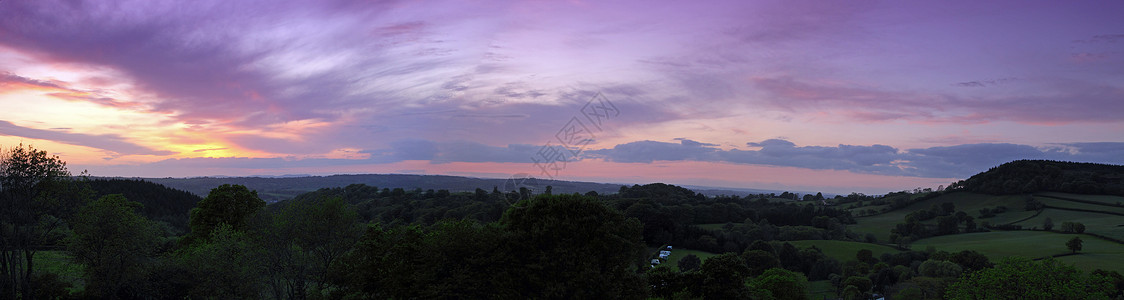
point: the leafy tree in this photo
(910, 293)
(1074, 244)
(306, 240)
(782, 284)
(36, 196)
(665, 282)
(724, 277)
(1048, 224)
(866, 256)
(579, 247)
(947, 225)
(688, 263)
(853, 293)
(227, 204)
(884, 277)
(450, 259)
(1113, 278)
(114, 243)
(969, 225)
(227, 264)
(158, 203)
(758, 261)
(1021, 278)
(939, 268)
(971, 261)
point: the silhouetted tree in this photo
(1074, 244)
(689, 263)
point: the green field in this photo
(677, 254)
(61, 264)
(821, 289)
(971, 203)
(843, 250)
(1096, 253)
(1080, 205)
(1103, 224)
(1106, 199)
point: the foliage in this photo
(911, 293)
(781, 284)
(724, 277)
(758, 261)
(399, 206)
(689, 263)
(37, 195)
(971, 260)
(1029, 176)
(1115, 279)
(227, 204)
(1020, 278)
(576, 247)
(1074, 244)
(115, 244)
(561, 246)
(158, 203)
(1073, 227)
(939, 268)
(227, 264)
(306, 240)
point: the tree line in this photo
(360, 242)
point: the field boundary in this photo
(1076, 200)
(1084, 210)
(1039, 212)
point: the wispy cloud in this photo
(342, 82)
(107, 142)
(866, 104)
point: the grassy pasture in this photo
(971, 203)
(62, 264)
(843, 250)
(1106, 199)
(1096, 253)
(821, 289)
(1079, 205)
(1103, 224)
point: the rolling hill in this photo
(1033, 176)
(1017, 199)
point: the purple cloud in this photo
(1097, 103)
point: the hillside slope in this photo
(161, 203)
(1031, 176)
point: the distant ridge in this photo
(274, 189)
(1030, 176)
(278, 188)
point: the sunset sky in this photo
(833, 96)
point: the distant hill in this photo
(742, 192)
(274, 189)
(161, 203)
(1030, 176)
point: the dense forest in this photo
(1029, 176)
(130, 239)
(164, 205)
